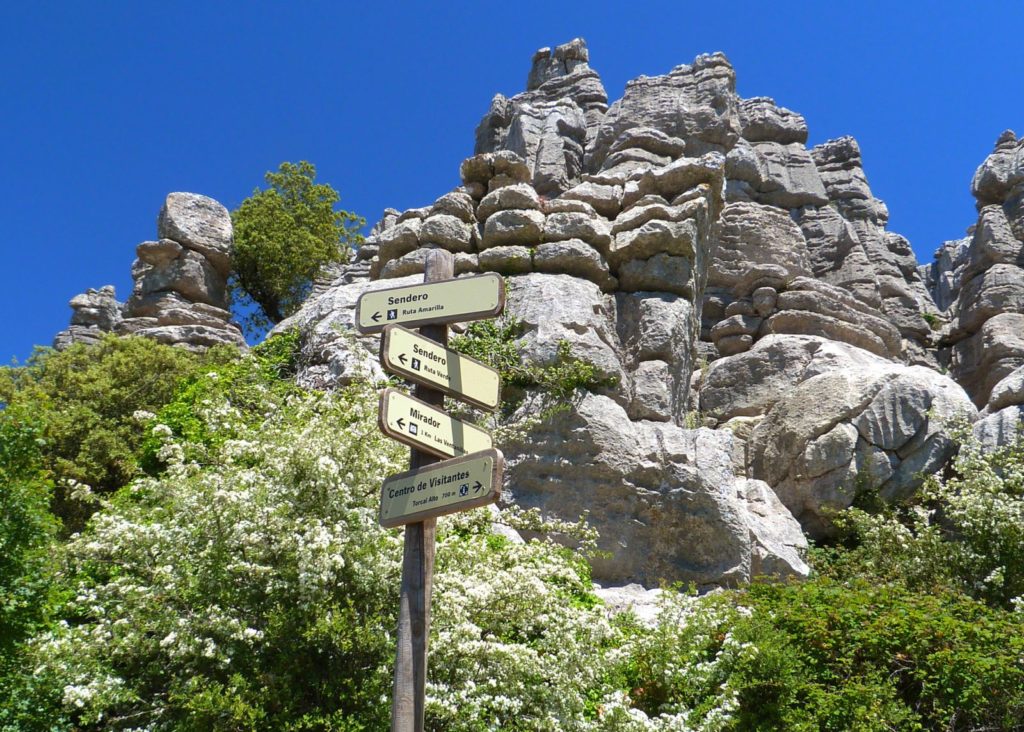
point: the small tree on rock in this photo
(284, 237)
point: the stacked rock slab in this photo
(95, 312)
(794, 213)
(180, 296)
(985, 334)
(569, 143)
(550, 124)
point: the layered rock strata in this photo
(684, 222)
(94, 313)
(180, 293)
(822, 421)
(985, 334)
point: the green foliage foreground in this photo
(246, 585)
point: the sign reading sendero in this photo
(427, 362)
(442, 488)
(427, 428)
(445, 301)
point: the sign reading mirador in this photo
(427, 362)
(447, 487)
(427, 428)
(446, 301)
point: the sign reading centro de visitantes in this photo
(445, 301)
(427, 428)
(447, 487)
(427, 362)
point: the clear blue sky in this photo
(106, 107)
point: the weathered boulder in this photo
(749, 384)
(180, 283)
(756, 246)
(556, 308)
(990, 355)
(576, 258)
(761, 120)
(513, 227)
(654, 483)
(549, 124)
(1001, 172)
(842, 432)
(1007, 392)
(696, 103)
(1001, 428)
(199, 223)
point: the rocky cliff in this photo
(775, 350)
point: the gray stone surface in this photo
(900, 414)
(517, 195)
(199, 223)
(1007, 392)
(756, 246)
(654, 483)
(761, 120)
(94, 313)
(1001, 428)
(506, 260)
(573, 257)
(696, 103)
(447, 231)
(984, 359)
(333, 353)
(514, 227)
(1001, 172)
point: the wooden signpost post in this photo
(431, 487)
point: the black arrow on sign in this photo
(375, 317)
(477, 487)
(402, 358)
(401, 423)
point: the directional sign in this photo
(447, 487)
(427, 428)
(445, 301)
(427, 362)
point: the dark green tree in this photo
(284, 236)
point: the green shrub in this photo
(27, 530)
(215, 403)
(869, 656)
(496, 343)
(85, 401)
(284, 236)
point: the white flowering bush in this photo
(245, 584)
(253, 588)
(965, 531)
(248, 585)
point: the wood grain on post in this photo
(418, 558)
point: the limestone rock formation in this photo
(669, 505)
(985, 332)
(180, 294)
(834, 420)
(550, 124)
(688, 244)
(95, 312)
